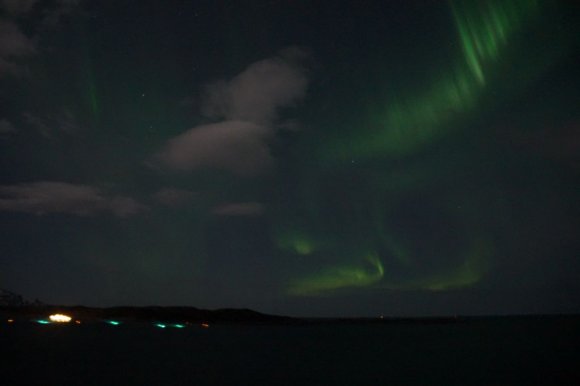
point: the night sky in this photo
(322, 158)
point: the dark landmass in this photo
(145, 314)
(234, 316)
(14, 306)
(11, 299)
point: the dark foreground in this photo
(491, 351)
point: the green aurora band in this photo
(485, 31)
(88, 76)
(340, 276)
(408, 123)
(466, 274)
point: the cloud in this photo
(259, 91)
(13, 42)
(52, 12)
(122, 206)
(240, 147)
(248, 106)
(53, 15)
(49, 125)
(6, 127)
(14, 45)
(38, 124)
(47, 197)
(173, 197)
(15, 7)
(239, 209)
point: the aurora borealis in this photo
(305, 158)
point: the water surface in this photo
(482, 352)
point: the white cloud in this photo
(258, 92)
(240, 147)
(248, 106)
(47, 197)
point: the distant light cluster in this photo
(60, 318)
(64, 319)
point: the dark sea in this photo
(500, 351)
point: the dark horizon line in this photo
(176, 310)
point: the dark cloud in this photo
(47, 197)
(248, 104)
(239, 209)
(53, 16)
(52, 12)
(16, 7)
(560, 142)
(53, 124)
(173, 197)
(38, 124)
(6, 127)
(14, 45)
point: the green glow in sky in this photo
(340, 276)
(486, 32)
(475, 266)
(295, 242)
(303, 247)
(466, 274)
(484, 29)
(410, 120)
